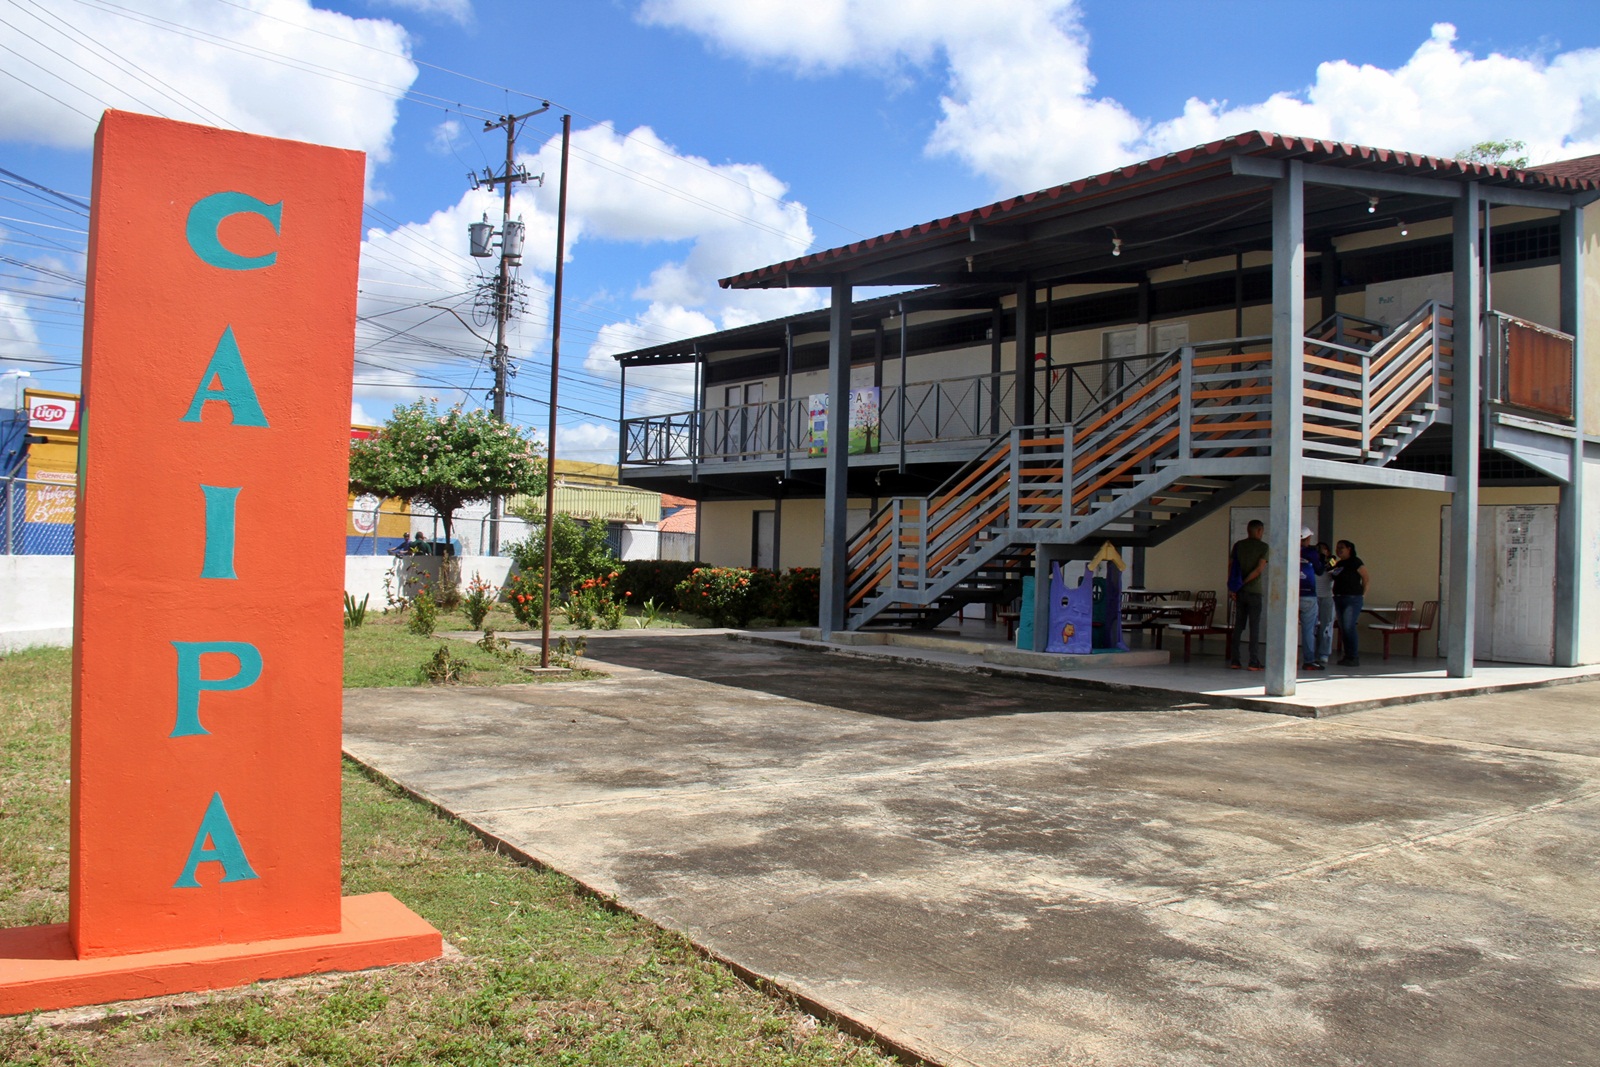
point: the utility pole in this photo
(555, 374)
(511, 234)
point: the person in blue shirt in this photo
(1311, 567)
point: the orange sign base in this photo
(39, 971)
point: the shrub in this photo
(443, 668)
(524, 592)
(479, 600)
(424, 614)
(722, 594)
(653, 579)
(800, 595)
(595, 602)
(580, 550)
(355, 613)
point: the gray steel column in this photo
(1281, 617)
(1464, 431)
(997, 329)
(622, 418)
(835, 555)
(1569, 512)
(1023, 355)
(786, 392)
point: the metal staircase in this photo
(1183, 439)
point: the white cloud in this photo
(589, 441)
(1017, 75)
(259, 65)
(636, 189)
(459, 11)
(446, 138)
(1438, 102)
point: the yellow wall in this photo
(1395, 531)
(727, 527)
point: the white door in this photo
(1525, 583)
(1515, 620)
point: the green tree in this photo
(445, 460)
(1496, 154)
(580, 549)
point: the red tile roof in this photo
(1584, 168)
(1255, 142)
(680, 521)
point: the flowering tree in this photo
(445, 461)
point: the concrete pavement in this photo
(1000, 871)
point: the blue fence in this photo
(37, 516)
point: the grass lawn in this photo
(548, 975)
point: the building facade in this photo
(1264, 325)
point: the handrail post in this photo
(1014, 505)
(922, 552)
(1437, 330)
(1366, 405)
(1066, 476)
(1185, 401)
(897, 533)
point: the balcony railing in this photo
(973, 408)
(1529, 367)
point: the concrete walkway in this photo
(1000, 871)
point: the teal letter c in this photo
(208, 213)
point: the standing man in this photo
(1311, 566)
(1251, 556)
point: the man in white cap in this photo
(1311, 565)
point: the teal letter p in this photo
(190, 684)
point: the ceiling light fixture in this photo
(1372, 204)
(1402, 224)
(1116, 241)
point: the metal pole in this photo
(622, 417)
(1569, 511)
(502, 305)
(555, 378)
(836, 492)
(1466, 311)
(1282, 577)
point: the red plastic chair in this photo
(1405, 622)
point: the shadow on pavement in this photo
(894, 690)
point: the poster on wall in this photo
(817, 419)
(865, 431)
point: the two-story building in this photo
(1261, 326)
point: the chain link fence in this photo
(37, 515)
(374, 530)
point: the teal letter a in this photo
(225, 848)
(227, 367)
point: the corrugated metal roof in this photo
(1255, 142)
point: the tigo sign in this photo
(53, 413)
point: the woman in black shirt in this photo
(1349, 594)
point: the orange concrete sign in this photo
(210, 563)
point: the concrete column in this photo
(1281, 616)
(835, 557)
(1569, 511)
(1464, 433)
(1023, 361)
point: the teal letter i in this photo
(220, 503)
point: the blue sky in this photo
(715, 136)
